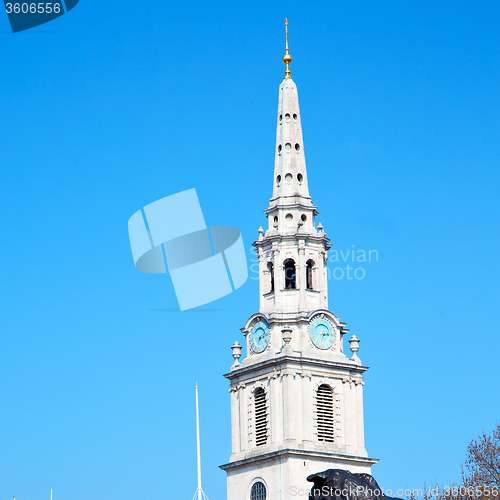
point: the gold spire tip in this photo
(287, 58)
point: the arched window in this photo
(324, 413)
(309, 274)
(290, 274)
(270, 267)
(260, 416)
(258, 491)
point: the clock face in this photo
(322, 333)
(259, 337)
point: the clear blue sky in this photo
(118, 104)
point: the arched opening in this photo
(290, 281)
(258, 491)
(270, 268)
(309, 274)
(324, 413)
(260, 416)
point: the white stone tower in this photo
(296, 399)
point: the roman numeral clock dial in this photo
(321, 333)
(259, 337)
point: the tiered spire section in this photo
(292, 251)
(290, 177)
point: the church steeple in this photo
(296, 397)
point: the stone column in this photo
(299, 413)
(279, 281)
(285, 378)
(324, 275)
(341, 387)
(301, 276)
(243, 424)
(235, 420)
(307, 408)
(278, 406)
(272, 407)
(262, 280)
(360, 418)
(350, 420)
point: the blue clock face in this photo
(259, 337)
(321, 333)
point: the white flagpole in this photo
(199, 490)
(199, 494)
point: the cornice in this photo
(285, 318)
(291, 452)
(288, 360)
(278, 237)
(291, 205)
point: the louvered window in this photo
(258, 491)
(324, 413)
(260, 416)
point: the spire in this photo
(290, 178)
(287, 58)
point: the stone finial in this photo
(354, 342)
(320, 229)
(286, 335)
(260, 231)
(236, 348)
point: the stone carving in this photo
(340, 484)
